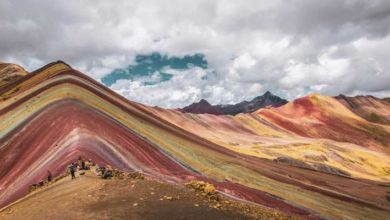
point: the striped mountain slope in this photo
(55, 114)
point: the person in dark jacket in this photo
(49, 176)
(83, 165)
(72, 169)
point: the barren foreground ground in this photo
(90, 197)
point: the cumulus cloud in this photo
(289, 47)
(185, 86)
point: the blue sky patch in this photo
(150, 68)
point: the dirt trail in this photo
(90, 197)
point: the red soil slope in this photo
(318, 116)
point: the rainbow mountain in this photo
(316, 157)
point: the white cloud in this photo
(184, 87)
(290, 48)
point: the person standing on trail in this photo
(83, 165)
(49, 176)
(72, 169)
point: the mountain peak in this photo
(204, 101)
(266, 100)
(201, 107)
(10, 73)
(62, 62)
(268, 93)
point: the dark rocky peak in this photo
(266, 100)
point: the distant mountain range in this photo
(263, 101)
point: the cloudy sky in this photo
(172, 53)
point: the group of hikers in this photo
(104, 171)
(73, 167)
(79, 165)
